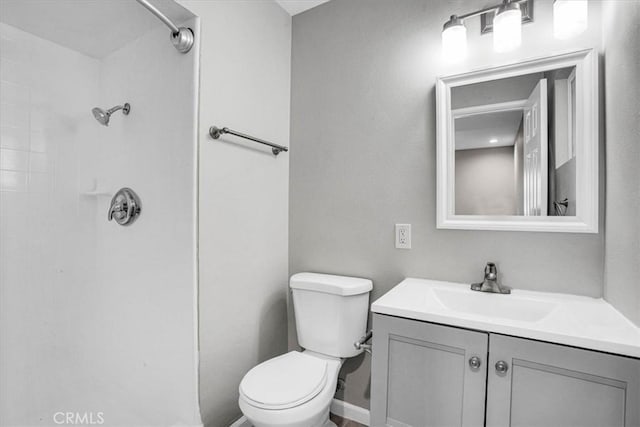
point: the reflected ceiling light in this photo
(454, 40)
(493, 141)
(507, 27)
(569, 18)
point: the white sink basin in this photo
(560, 318)
(504, 306)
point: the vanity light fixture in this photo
(506, 19)
(454, 39)
(569, 18)
(507, 27)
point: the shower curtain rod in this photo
(181, 37)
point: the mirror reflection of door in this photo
(515, 145)
(535, 151)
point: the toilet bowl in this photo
(293, 390)
(296, 389)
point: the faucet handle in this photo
(491, 271)
(490, 282)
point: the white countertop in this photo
(590, 323)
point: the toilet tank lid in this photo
(330, 284)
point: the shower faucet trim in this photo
(125, 207)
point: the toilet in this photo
(296, 389)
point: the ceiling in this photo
(478, 130)
(298, 6)
(92, 27)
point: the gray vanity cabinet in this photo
(555, 385)
(424, 375)
(421, 374)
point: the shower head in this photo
(103, 116)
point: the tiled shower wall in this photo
(95, 317)
(47, 251)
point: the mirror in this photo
(517, 146)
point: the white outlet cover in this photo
(403, 236)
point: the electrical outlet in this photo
(403, 236)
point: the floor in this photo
(341, 422)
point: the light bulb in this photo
(507, 27)
(569, 18)
(454, 40)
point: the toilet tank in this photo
(331, 312)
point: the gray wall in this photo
(565, 186)
(485, 181)
(363, 127)
(562, 180)
(622, 259)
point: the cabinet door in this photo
(554, 385)
(421, 374)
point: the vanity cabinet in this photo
(425, 374)
(422, 374)
(555, 385)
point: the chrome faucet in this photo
(490, 282)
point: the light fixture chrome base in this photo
(183, 39)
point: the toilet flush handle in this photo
(361, 343)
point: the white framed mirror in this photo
(517, 146)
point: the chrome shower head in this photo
(103, 116)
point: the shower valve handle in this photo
(125, 207)
(119, 210)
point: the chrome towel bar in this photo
(216, 132)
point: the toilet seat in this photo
(284, 382)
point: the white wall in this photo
(97, 318)
(622, 66)
(243, 196)
(516, 88)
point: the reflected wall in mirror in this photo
(517, 146)
(513, 145)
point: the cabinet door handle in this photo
(502, 367)
(475, 363)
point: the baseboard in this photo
(241, 422)
(338, 407)
(351, 412)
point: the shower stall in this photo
(98, 319)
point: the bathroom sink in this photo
(512, 307)
(573, 320)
